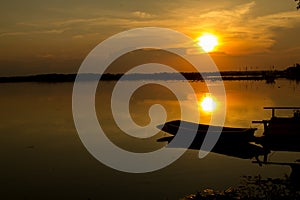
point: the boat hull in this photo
(233, 142)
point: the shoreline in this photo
(268, 76)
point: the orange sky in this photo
(54, 36)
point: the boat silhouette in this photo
(280, 134)
(234, 142)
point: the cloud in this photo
(75, 21)
(142, 15)
(278, 20)
(46, 56)
(229, 15)
(78, 36)
(240, 30)
(24, 33)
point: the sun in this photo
(208, 104)
(208, 42)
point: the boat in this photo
(229, 134)
(234, 142)
(280, 134)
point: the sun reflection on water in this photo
(208, 103)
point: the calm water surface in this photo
(42, 156)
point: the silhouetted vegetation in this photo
(293, 72)
(252, 188)
(290, 73)
(40, 78)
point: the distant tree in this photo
(293, 72)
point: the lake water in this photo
(42, 156)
